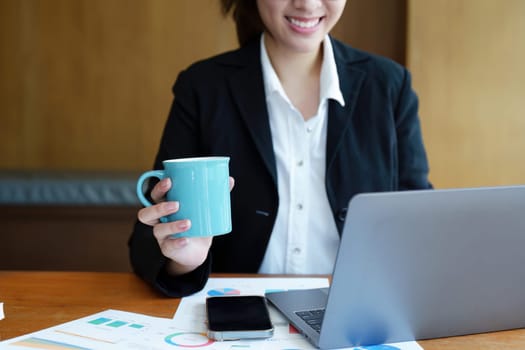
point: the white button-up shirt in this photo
(304, 239)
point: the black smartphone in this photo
(238, 317)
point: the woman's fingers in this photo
(159, 190)
(151, 215)
(185, 253)
(169, 230)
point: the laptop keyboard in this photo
(314, 318)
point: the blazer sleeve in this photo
(180, 139)
(412, 158)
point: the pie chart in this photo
(223, 291)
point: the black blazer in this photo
(374, 143)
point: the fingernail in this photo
(170, 206)
(184, 224)
(164, 183)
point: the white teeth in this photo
(308, 24)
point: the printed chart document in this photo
(114, 329)
(110, 329)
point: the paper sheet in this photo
(2, 311)
(110, 329)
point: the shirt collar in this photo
(329, 83)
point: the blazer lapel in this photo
(350, 81)
(247, 88)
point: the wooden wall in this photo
(85, 84)
(377, 26)
(467, 59)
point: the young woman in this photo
(307, 121)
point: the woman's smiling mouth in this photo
(304, 23)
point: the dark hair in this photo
(245, 13)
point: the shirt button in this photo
(300, 206)
(309, 129)
(296, 251)
(300, 163)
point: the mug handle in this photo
(159, 174)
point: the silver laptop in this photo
(417, 265)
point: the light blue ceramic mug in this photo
(202, 187)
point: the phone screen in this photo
(237, 317)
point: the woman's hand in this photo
(185, 253)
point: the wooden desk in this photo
(37, 300)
